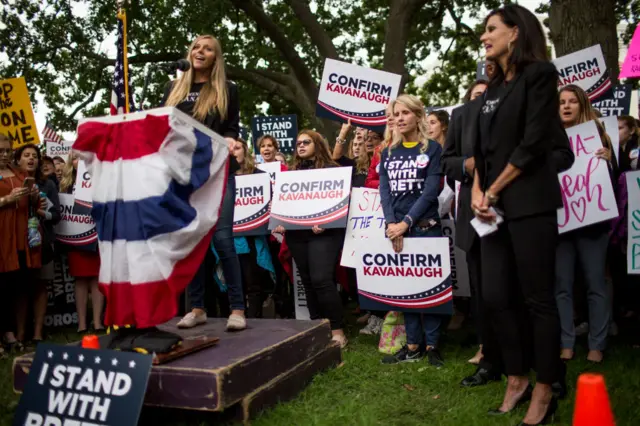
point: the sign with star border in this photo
(416, 280)
(360, 94)
(251, 212)
(71, 385)
(282, 127)
(303, 199)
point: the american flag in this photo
(50, 135)
(118, 93)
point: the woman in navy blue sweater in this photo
(409, 185)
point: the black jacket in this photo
(525, 130)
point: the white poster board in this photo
(83, 193)
(459, 270)
(273, 168)
(366, 220)
(633, 238)
(587, 192)
(349, 91)
(299, 295)
(585, 68)
(303, 199)
(74, 229)
(61, 149)
(251, 212)
(611, 127)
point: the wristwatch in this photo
(493, 199)
(340, 141)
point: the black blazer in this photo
(524, 131)
(461, 136)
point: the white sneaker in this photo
(373, 327)
(236, 322)
(191, 320)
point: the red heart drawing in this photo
(581, 205)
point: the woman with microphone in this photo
(205, 93)
(515, 177)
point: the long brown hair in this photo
(588, 113)
(248, 166)
(213, 96)
(322, 157)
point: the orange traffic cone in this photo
(592, 402)
(90, 342)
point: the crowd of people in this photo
(505, 146)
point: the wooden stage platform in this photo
(245, 372)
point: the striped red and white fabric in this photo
(158, 181)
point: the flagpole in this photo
(122, 15)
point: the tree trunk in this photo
(578, 24)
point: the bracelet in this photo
(493, 199)
(407, 217)
(340, 141)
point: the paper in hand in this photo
(483, 228)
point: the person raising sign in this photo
(410, 206)
(205, 93)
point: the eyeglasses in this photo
(304, 142)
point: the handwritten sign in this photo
(631, 64)
(251, 213)
(587, 192)
(585, 68)
(82, 192)
(303, 199)
(615, 102)
(76, 230)
(61, 296)
(633, 238)
(16, 115)
(366, 220)
(299, 295)
(459, 270)
(349, 91)
(69, 385)
(62, 149)
(416, 280)
(282, 127)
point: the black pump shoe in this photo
(548, 416)
(481, 377)
(526, 396)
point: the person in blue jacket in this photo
(410, 181)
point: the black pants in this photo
(256, 282)
(492, 358)
(316, 257)
(518, 277)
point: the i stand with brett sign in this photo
(73, 386)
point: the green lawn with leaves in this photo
(363, 392)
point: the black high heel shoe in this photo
(526, 396)
(548, 416)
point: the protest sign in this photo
(459, 271)
(587, 192)
(82, 191)
(611, 127)
(416, 280)
(585, 68)
(444, 201)
(353, 92)
(303, 199)
(244, 133)
(61, 296)
(631, 64)
(16, 115)
(633, 233)
(366, 220)
(273, 168)
(77, 230)
(615, 102)
(59, 149)
(299, 295)
(251, 213)
(69, 385)
(282, 127)
(458, 184)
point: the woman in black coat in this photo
(515, 176)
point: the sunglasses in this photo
(305, 142)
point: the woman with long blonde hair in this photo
(205, 93)
(84, 265)
(410, 181)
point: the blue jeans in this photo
(423, 328)
(224, 245)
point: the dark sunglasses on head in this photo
(304, 142)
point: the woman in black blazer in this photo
(516, 175)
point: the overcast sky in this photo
(42, 110)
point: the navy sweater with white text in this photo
(409, 182)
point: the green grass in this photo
(364, 392)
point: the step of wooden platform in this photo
(253, 364)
